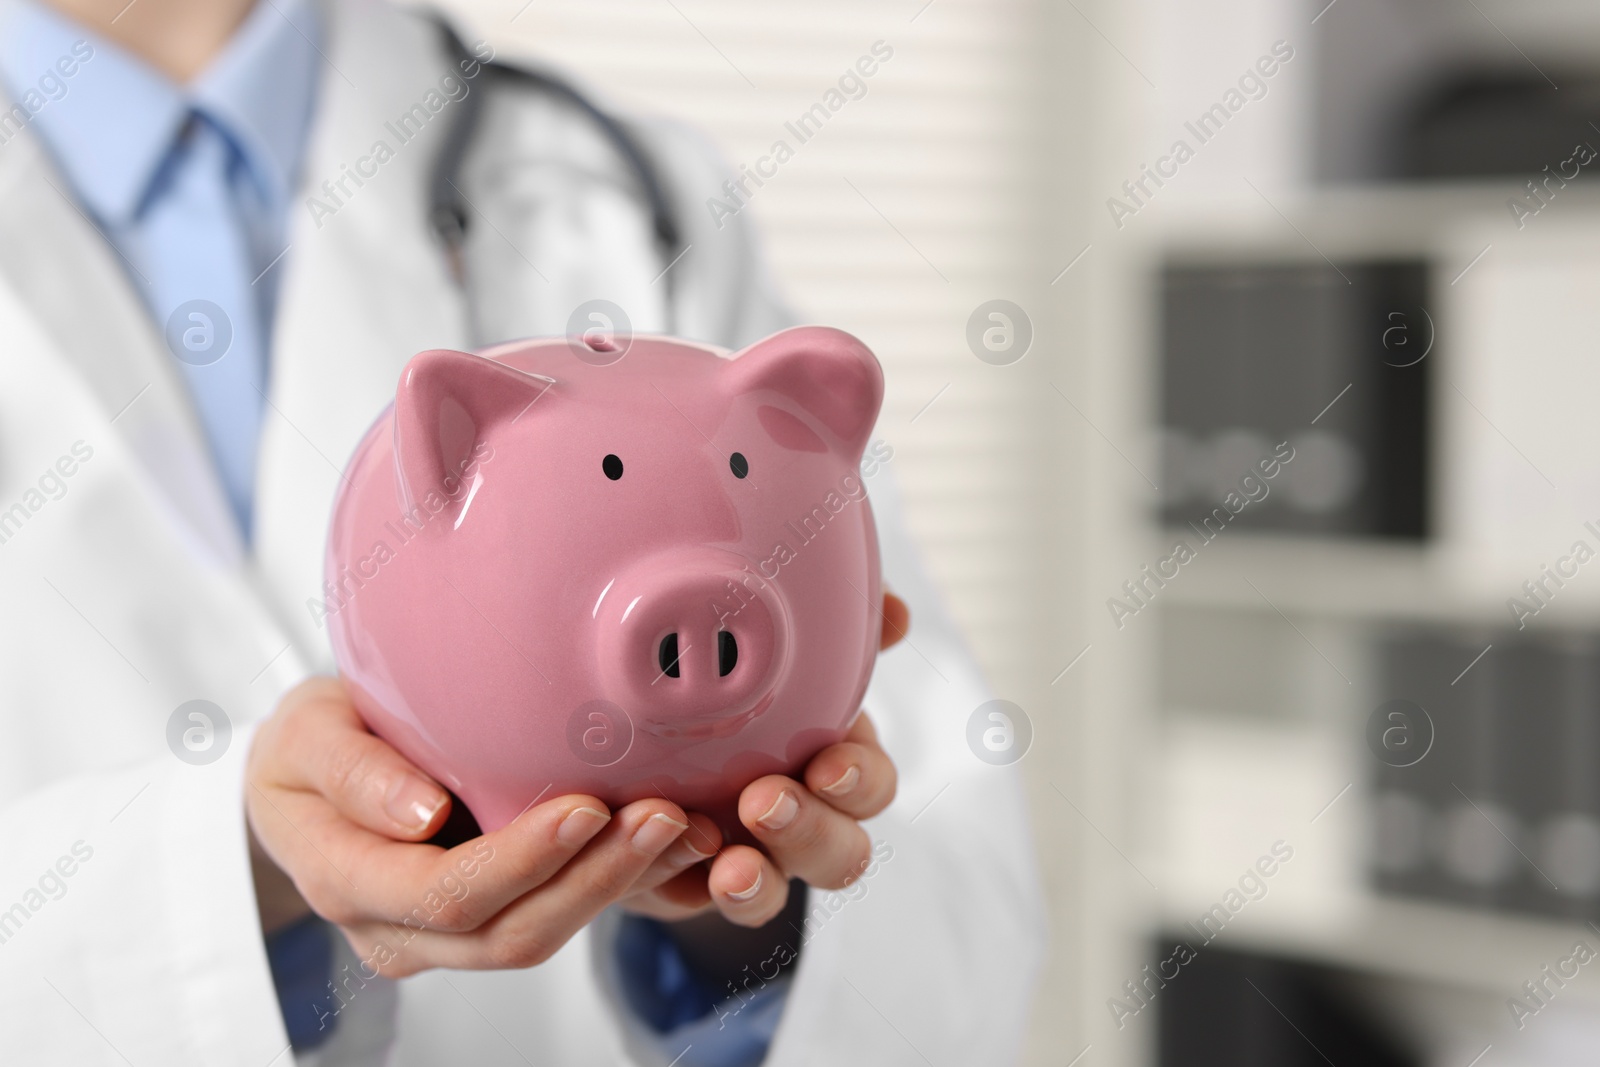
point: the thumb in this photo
(896, 620)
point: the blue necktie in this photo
(201, 265)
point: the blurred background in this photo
(1269, 490)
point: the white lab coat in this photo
(124, 593)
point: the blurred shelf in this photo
(1304, 575)
(1350, 579)
(1354, 221)
(1229, 789)
(1468, 948)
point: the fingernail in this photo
(580, 825)
(657, 833)
(782, 812)
(755, 887)
(412, 802)
(686, 852)
(844, 783)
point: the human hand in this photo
(346, 818)
(809, 831)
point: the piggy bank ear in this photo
(445, 405)
(831, 375)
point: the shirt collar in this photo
(262, 87)
(113, 122)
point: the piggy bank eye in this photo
(612, 466)
(739, 465)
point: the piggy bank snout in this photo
(694, 636)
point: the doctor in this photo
(217, 250)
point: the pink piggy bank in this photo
(557, 567)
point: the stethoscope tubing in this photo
(448, 210)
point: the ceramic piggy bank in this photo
(558, 567)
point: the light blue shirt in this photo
(693, 1024)
(192, 185)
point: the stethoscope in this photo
(448, 211)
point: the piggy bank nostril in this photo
(667, 655)
(727, 653)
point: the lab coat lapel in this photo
(365, 289)
(68, 275)
(114, 617)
